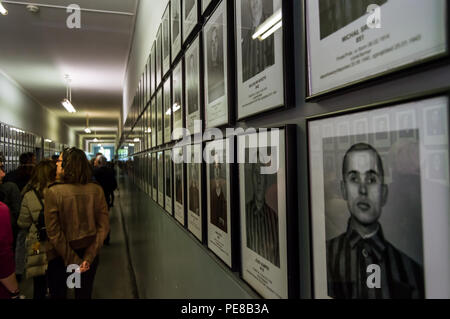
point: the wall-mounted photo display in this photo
(216, 66)
(194, 189)
(166, 40)
(260, 71)
(192, 64)
(177, 101)
(159, 116)
(267, 184)
(168, 187)
(178, 186)
(218, 185)
(167, 111)
(349, 42)
(153, 121)
(205, 4)
(190, 17)
(148, 126)
(380, 208)
(147, 80)
(149, 174)
(154, 178)
(175, 28)
(159, 56)
(161, 194)
(153, 68)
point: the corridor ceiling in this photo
(38, 49)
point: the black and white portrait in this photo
(159, 56)
(261, 211)
(215, 62)
(336, 14)
(159, 111)
(194, 187)
(167, 112)
(257, 55)
(155, 177)
(373, 219)
(168, 180)
(175, 30)
(189, 17)
(177, 103)
(166, 40)
(160, 179)
(179, 183)
(218, 195)
(192, 81)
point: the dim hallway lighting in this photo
(3, 10)
(268, 27)
(67, 102)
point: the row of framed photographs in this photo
(248, 215)
(378, 186)
(222, 59)
(14, 142)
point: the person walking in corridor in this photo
(77, 222)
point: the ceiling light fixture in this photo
(95, 140)
(136, 140)
(3, 10)
(67, 102)
(87, 130)
(268, 27)
(48, 140)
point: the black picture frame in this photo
(417, 101)
(287, 74)
(176, 42)
(367, 81)
(166, 41)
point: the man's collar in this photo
(376, 239)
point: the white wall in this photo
(19, 109)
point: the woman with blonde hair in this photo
(32, 218)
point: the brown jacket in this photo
(76, 217)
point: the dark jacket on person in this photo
(21, 176)
(76, 218)
(106, 178)
(13, 199)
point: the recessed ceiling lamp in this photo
(87, 130)
(95, 140)
(67, 102)
(3, 11)
(48, 140)
(268, 27)
(136, 140)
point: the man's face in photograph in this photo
(363, 187)
(256, 9)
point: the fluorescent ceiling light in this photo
(3, 11)
(88, 130)
(269, 25)
(272, 30)
(100, 145)
(130, 144)
(148, 130)
(68, 106)
(47, 140)
(136, 140)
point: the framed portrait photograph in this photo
(178, 183)
(148, 125)
(190, 17)
(167, 111)
(192, 90)
(175, 28)
(153, 120)
(177, 101)
(159, 56)
(148, 177)
(260, 60)
(379, 215)
(148, 75)
(194, 190)
(153, 68)
(268, 211)
(166, 40)
(161, 194)
(159, 117)
(349, 42)
(168, 183)
(216, 67)
(154, 177)
(219, 205)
